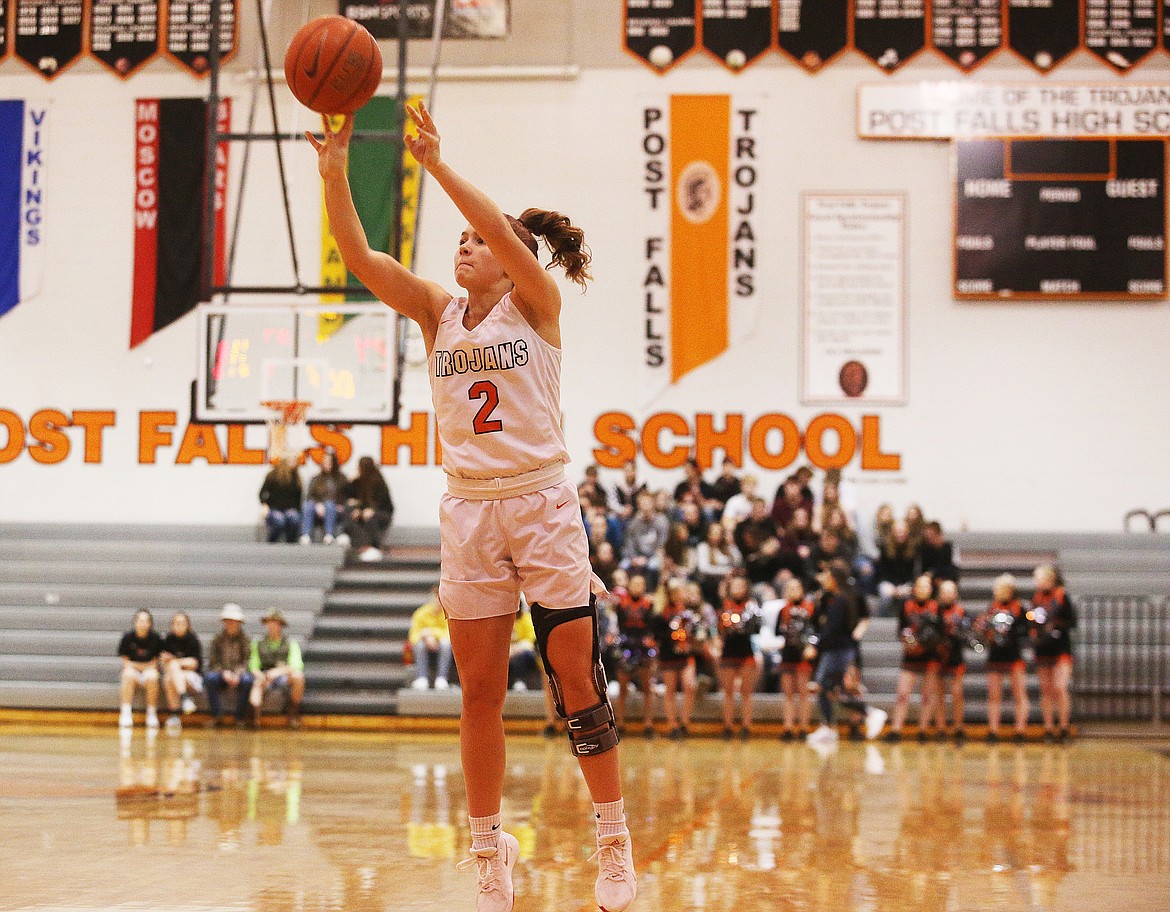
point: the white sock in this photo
(126, 708)
(485, 831)
(611, 818)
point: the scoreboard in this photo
(1060, 218)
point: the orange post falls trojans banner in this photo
(700, 143)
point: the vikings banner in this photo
(700, 200)
(23, 136)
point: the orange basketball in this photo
(333, 65)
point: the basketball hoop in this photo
(288, 435)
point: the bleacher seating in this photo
(68, 593)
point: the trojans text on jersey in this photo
(479, 359)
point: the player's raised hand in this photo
(333, 153)
(424, 145)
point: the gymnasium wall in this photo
(1017, 415)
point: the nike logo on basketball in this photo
(311, 69)
(561, 504)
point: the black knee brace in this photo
(593, 730)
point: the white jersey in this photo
(497, 394)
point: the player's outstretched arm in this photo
(536, 294)
(383, 275)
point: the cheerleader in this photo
(1003, 628)
(919, 623)
(675, 630)
(738, 621)
(952, 668)
(793, 624)
(637, 650)
(1050, 619)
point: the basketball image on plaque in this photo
(188, 38)
(889, 32)
(1044, 35)
(47, 35)
(123, 36)
(663, 35)
(737, 32)
(854, 378)
(966, 32)
(1121, 32)
(812, 32)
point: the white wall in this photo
(1018, 416)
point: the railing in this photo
(1122, 658)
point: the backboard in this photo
(339, 357)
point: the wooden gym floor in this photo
(279, 821)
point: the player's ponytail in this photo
(565, 241)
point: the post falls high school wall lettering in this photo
(665, 440)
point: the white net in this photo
(288, 434)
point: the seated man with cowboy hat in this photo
(227, 665)
(276, 662)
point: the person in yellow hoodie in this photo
(429, 637)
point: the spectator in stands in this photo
(627, 490)
(675, 630)
(786, 627)
(952, 667)
(739, 506)
(841, 620)
(645, 538)
(325, 495)
(727, 485)
(883, 527)
(604, 562)
(140, 648)
(828, 549)
(695, 521)
(280, 501)
(1051, 619)
(637, 650)
(600, 527)
(716, 556)
(759, 545)
(695, 489)
(591, 491)
(789, 499)
(915, 523)
(369, 510)
(227, 665)
(739, 621)
(920, 630)
(181, 661)
(430, 639)
(799, 538)
(804, 477)
(936, 555)
(894, 571)
(678, 554)
(1003, 629)
(846, 496)
(276, 662)
(523, 667)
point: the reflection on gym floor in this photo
(281, 822)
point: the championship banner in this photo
(170, 140)
(48, 34)
(700, 198)
(23, 136)
(371, 180)
(461, 19)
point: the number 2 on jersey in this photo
(486, 390)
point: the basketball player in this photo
(511, 520)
